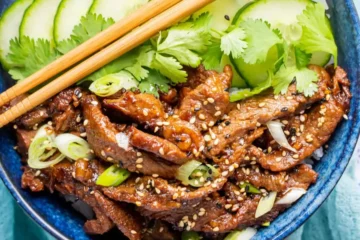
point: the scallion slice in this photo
(43, 148)
(112, 83)
(249, 188)
(195, 173)
(73, 147)
(245, 234)
(265, 204)
(113, 177)
(278, 134)
(190, 236)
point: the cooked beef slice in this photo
(101, 135)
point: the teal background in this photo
(337, 219)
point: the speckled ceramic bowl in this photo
(54, 215)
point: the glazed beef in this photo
(153, 137)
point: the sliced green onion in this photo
(245, 234)
(73, 147)
(195, 173)
(112, 83)
(249, 188)
(113, 177)
(266, 224)
(43, 148)
(190, 236)
(276, 131)
(265, 204)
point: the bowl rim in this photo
(324, 191)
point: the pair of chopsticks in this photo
(152, 18)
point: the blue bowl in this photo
(55, 216)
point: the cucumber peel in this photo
(9, 28)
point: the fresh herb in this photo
(317, 35)
(260, 39)
(154, 83)
(89, 26)
(212, 57)
(239, 94)
(28, 56)
(233, 42)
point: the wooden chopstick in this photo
(101, 40)
(110, 53)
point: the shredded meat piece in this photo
(31, 181)
(299, 177)
(24, 139)
(34, 118)
(206, 104)
(160, 147)
(101, 135)
(157, 194)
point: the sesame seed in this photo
(345, 117)
(95, 103)
(296, 156)
(218, 113)
(139, 160)
(161, 151)
(289, 97)
(50, 123)
(138, 203)
(202, 209)
(83, 134)
(285, 122)
(141, 187)
(157, 191)
(284, 153)
(216, 142)
(278, 159)
(145, 112)
(225, 173)
(139, 166)
(133, 232)
(109, 159)
(139, 154)
(192, 120)
(302, 118)
(181, 224)
(201, 116)
(137, 180)
(216, 229)
(227, 161)
(166, 123)
(188, 228)
(161, 229)
(214, 185)
(228, 206)
(211, 124)
(86, 122)
(328, 97)
(195, 217)
(276, 97)
(78, 119)
(262, 104)
(140, 194)
(156, 129)
(211, 100)
(205, 103)
(175, 196)
(231, 168)
(159, 124)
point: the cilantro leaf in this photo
(144, 59)
(302, 58)
(233, 43)
(170, 68)
(185, 40)
(260, 39)
(89, 26)
(29, 56)
(305, 80)
(317, 34)
(212, 57)
(239, 94)
(154, 83)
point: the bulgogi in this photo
(193, 121)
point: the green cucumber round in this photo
(9, 27)
(38, 20)
(237, 80)
(255, 74)
(68, 16)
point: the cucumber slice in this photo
(9, 27)
(116, 9)
(68, 16)
(277, 12)
(220, 10)
(38, 20)
(255, 74)
(320, 58)
(237, 80)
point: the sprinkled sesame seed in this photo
(192, 120)
(95, 103)
(218, 113)
(159, 124)
(216, 229)
(207, 138)
(139, 154)
(195, 217)
(161, 229)
(231, 168)
(201, 148)
(133, 232)
(139, 160)
(138, 203)
(284, 153)
(227, 206)
(161, 151)
(227, 161)
(211, 124)
(145, 112)
(109, 159)
(156, 129)
(276, 97)
(201, 116)
(166, 123)
(83, 134)
(345, 117)
(258, 124)
(137, 180)
(296, 156)
(278, 159)
(302, 118)
(289, 97)
(225, 173)
(216, 142)
(175, 196)
(157, 191)
(211, 100)
(78, 119)
(139, 166)
(262, 104)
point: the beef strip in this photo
(34, 118)
(318, 126)
(262, 108)
(31, 181)
(205, 105)
(157, 194)
(101, 135)
(24, 139)
(144, 108)
(159, 146)
(299, 177)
